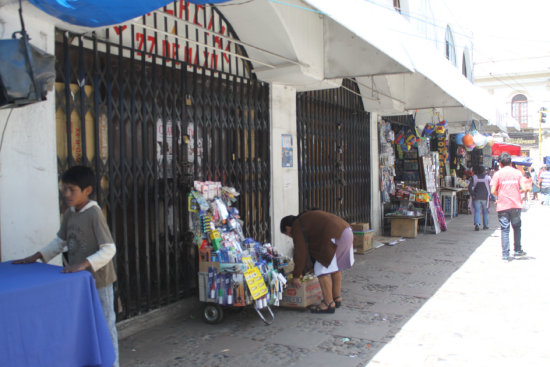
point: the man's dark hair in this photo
(478, 170)
(505, 159)
(80, 176)
(287, 222)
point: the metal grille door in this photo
(333, 152)
(150, 123)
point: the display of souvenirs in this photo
(387, 161)
(237, 271)
(412, 194)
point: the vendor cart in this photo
(234, 271)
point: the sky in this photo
(505, 32)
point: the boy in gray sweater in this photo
(85, 236)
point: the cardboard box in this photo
(363, 240)
(364, 227)
(404, 227)
(308, 294)
(205, 265)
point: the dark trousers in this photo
(506, 218)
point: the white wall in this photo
(376, 213)
(284, 181)
(29, 209)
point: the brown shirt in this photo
(312, 234)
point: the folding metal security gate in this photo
(333, 152)
(150, 120)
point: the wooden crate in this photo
(404, 227)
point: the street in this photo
(445, 300)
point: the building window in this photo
(397, 5)
(464, 67)
(519, 110)
(450, 46)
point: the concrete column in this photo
(29, 200)
(284, 180)
(376, 205)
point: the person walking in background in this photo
(544, 183)
(507, 186)
(480, 192)
(536, 188)
(528, 183)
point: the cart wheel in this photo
(212, 313)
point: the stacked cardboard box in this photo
(363, 237)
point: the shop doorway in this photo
(334, 152)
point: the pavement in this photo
(435, 300)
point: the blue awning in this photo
(522, 161)
(100, 13)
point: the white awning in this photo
(382, 38)
(358, 42)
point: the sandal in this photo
(318, 309)
(338, 301)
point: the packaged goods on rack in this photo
(233, 270)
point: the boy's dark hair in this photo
(287, 222)
(80, 176)
(505, 159)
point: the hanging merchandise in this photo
(467, 140)
(387, 160)
(428, 130)
(400, 138)
(233, 270)
(490, 140)
(480, 140)
(442, 148)
(459, 138)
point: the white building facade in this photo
(389, 57)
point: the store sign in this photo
(184, 32)
(523, 139)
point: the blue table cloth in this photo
(51, 319)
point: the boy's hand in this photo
(296, 282)
(76, 268)
(29, 259)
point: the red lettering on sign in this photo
(226, 56)
(183, 7)
(139, 39)
(153, 41)
(206, 53)
(119, 29)
(195, 20)
(166, 48)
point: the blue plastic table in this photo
(51, 319)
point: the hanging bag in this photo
(26, 72)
